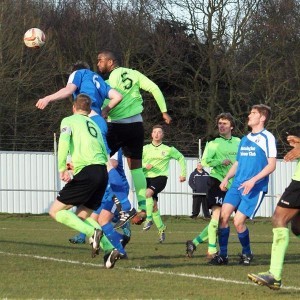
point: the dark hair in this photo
(158, 126)
(79, 65)
(226, 116)
(110, 55)
(264, 110)
(83, 102)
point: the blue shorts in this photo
(100, 121)
(246, 204)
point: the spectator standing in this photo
(198, 183)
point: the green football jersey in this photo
(129, 82)
(159, 157)
(216, 151)
(81, 138)
(296, 175)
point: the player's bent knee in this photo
(224, 220)
(279, 221)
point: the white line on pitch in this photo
(138, 269)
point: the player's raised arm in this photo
(114, 99)
(63, 93)
(148, 85)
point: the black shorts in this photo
(291, 196)
(215, 196)
(86, 188)
(128, 136)
(156, 184)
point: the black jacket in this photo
(198, 181)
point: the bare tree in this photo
(270, 61)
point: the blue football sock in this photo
(119, 189)
(245, 241)
(223, 240)
(114, 237)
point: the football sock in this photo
(92, 222)
(223, 240)
(212, 235)
(105, 244)
(140, 185)
(280, 243)
(245, 241)
(119, 189)
(202, 237)
(71, 220)
(149, 208)
(157, 220)
(114, 237)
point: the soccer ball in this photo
(34, 38)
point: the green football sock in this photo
(71, 220)
(280, 243)
(140, 185)
(157, 220)
(105, 244)
(92, 222)
(212, 235)
(202, 237)
(149, 208)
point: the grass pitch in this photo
(38, 262)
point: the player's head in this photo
(107, 61)
(79, 65)
(157, 133)
(263, 111)
(225, 124)
(82, 103)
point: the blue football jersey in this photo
(253, 153)
(91, 84)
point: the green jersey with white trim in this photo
(81, 138)
(159, 157)
(216, 151)
(128, 82)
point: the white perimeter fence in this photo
(29, 182)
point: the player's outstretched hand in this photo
(42, 103)
(293, 154)
(167, 117)
(293, 140)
